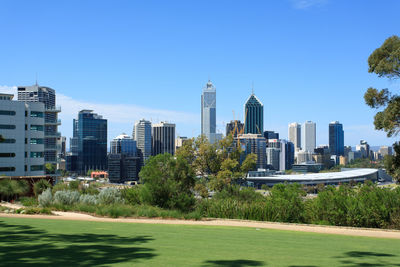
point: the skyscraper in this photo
(256, 144)
(254, 115)
(142, 135)
(123, 163)
(163, 138)
(90, 141)
(234, 127)
(208, 112)
(46, 95)
(308, 136)
(336, 138)
(295, 134)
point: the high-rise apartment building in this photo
(47, 96)
(208, 112)
(142, 135)
(163, 138)
(254, 116)
(363, 148)
(295, 134)
(123, 162)
(234, 127)
(22, 128)
(308, 136)
(90, 141)
(336, 138)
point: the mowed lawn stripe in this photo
(26, 241)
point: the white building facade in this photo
(308, 136)
(22, 130)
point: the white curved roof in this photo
(355, 173)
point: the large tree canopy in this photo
(385, 62)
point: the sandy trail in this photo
(368, 232)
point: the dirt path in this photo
(219, 222)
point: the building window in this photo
(26, 140)
(26, 154)
(37, 168)
(8, 141)
(37, 154)
(7, 169)
(26, 127)
(36, 114)
(7, 155)
(36, 127)
(26, 113)
(7, 126)
(36, 141)
(26, 168)
(7, 112)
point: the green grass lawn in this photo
(41, 242)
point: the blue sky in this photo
(129, 60)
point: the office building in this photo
(234, 127)
(364, 149)
(256, 144)
(286, 157)
(123, 162)
(163, 138)
(271, 135)
(254, 116)
(308, 136)
(208, 112)
(336, 138)
(142, 135)
(61, 146)
(90, 141)
(47, 96)
(295, 134)
(22, 128)
(123, 144)
(273, 158)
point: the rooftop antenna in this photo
(252, 88)
(36, 80)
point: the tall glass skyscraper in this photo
(142, 135)
(254, 115)
(90, 134)
(295, 134)
(208, 112)
(336, 138)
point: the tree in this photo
(50, 168)
(40, 186)
(385, 62)
(168, 182)
(249, 163)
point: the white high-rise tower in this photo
(308, 136)
(295, 134)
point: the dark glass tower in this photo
(254, 115)
(336, 138)
(90, 133)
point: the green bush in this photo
(132, 195)
(12, 189)
(110, 196)
(41, 186)
(88, 199)
(29, 201)
(38, 211)
(46, 198)
(66, 197)
(60, 187)
(74, 185)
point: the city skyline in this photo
(233, 47)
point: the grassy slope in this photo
(69, 243)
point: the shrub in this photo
(88, 199)
(45, 199)
(110, 196)
(12, 189)
(74, 185)
(66, 197)
(132, 195)
(29, 201)
(90, 190)
(60, 187)
(41, 186)
(38, 211)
